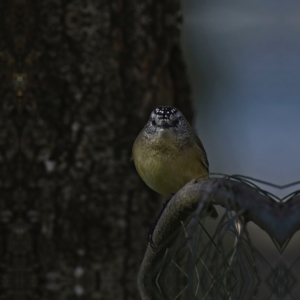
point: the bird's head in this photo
(166, 119)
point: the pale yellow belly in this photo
(166, 173)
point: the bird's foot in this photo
(151, 229)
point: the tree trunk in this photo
(78, 82)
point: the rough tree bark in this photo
(78, 81)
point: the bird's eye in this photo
(153, 122)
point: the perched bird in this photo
(167, 153)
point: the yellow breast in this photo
(165, 166)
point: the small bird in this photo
(167, 153)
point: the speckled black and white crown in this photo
(165, 112)
(166, 118)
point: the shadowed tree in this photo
(78, 81)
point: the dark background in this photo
(78, 82)
(243, 59)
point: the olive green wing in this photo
(203, 152)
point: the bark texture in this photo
(78, 81)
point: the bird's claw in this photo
(149, 237)
(150, 229)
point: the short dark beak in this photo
(165, 125)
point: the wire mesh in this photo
(206, 258)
